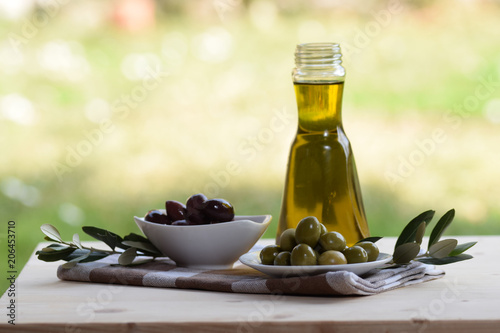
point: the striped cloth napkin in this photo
(163, 273)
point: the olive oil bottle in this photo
(321, 179)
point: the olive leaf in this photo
(408, 234)
(76, 241)
(136, 238)
(406, 252)
(47, 250)
(419, 235)
(69, 264)
(445, 260)
(109, 238)
(93, 255)
(51, 232)
(136, 262)
(442, 248)
(460, 248)
(57, 246)
(147, 248)
(55, 254)
(142, 243)
(370, 239)
(53, 248)
(72, 263)
(127, 257)
(440, 227)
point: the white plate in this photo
(252, 259)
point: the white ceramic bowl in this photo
(212, 246)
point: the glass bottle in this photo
(321, 179)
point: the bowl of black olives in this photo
(203, 233)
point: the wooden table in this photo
(467, 299)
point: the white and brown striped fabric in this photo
(163, 273)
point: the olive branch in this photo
(73, 252)
(439, 252)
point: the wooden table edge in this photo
(439, 326)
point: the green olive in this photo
(303, 255)
(287, 240)
(371, 249)
(323, 229)
(333, 241)
(282, 259)
(355, 254)
(269, 253)
(308, 231)
(332, 258)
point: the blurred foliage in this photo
(207, 125)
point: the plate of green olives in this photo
(252, 259)
(310, 249)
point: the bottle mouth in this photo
(318, 55)
(318, 63)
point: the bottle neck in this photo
(319, 106)
(319, 84)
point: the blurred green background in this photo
(109, 108)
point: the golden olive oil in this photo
(321, 178)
